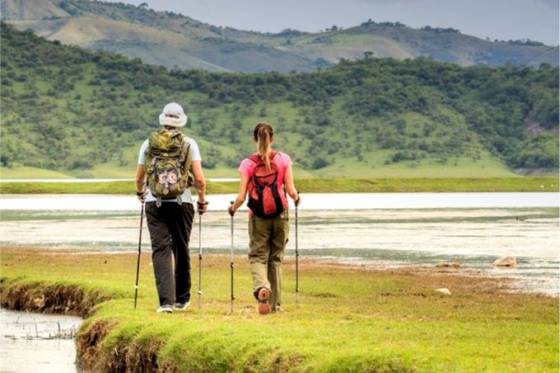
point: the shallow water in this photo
(384, 236)
(31, 342)
(311, 201)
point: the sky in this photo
(496, 19)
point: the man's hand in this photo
(201, 207)
(141, 195)
(231, 210)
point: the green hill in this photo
(85, 113)
(170, 39)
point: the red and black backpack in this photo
(264, 199)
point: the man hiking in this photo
(168, 162)
(266, 176)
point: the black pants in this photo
(170, 231)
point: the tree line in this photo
(67, 108)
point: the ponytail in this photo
(263, 134)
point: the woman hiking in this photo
(266, 176)
(168, 162)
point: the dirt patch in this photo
(429, 276)
(38, 297)
(88, 346)
(144, 357)
(125, 356)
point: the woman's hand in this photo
(231, 210)
(297, 201)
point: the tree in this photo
(319, 163)
(368, 54)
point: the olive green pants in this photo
(268, 238)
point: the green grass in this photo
(349, 319)
(335, 185)
(30, 173)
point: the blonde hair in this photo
(262, 134)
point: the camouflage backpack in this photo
(168, 165)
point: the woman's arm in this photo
(290, 187)
(243, 183)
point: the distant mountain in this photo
(85, 113)
(174, 40)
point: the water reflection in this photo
(32, 342)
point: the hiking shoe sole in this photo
(263, 306)
(181, 306)
(165, 309)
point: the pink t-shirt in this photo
(282, 161)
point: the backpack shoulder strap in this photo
(255, 158)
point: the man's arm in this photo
(140, 184)
(196, 167)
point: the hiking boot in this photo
(181, 306)
(262, 296)
(166, 308)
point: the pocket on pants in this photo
(258, 237)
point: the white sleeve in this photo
(142, 155)
(195, 151)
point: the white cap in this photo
(173, 116)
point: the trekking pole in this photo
(297, 259)
(139, 253)
(231, 264)
(199, 262)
